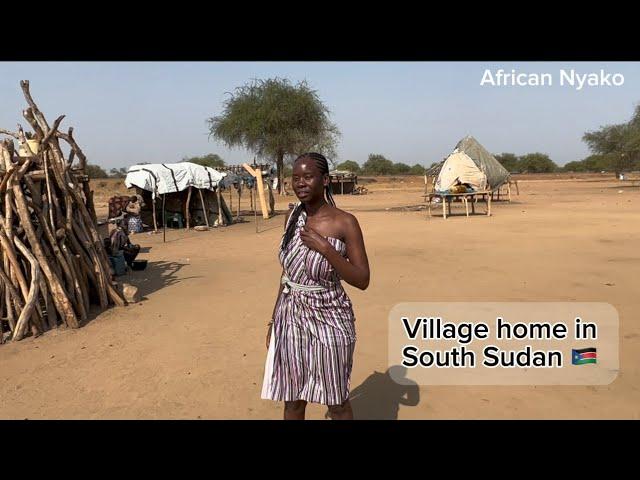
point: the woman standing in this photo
(134, 223)
(312, 336)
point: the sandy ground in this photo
(194, 346)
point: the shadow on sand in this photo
(379, 397)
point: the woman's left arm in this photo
(355, 270)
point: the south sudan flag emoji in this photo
(584, 355)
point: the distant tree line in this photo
(96, 171)
(212, 160)
(529, 163)
(615, 148)
(541, 163)
(378, 164)
(602, 163)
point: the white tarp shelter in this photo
(471, 163)
(161, 178)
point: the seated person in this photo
(134, 222)
(460, 187)
(119, 241)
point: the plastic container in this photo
(139, 264)
(33, 144)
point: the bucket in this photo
(33, 144)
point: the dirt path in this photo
(194, 347)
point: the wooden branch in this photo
(101, 282)
(59, 295)
(155, 222)
(48, 181)
(64, 265)
(13, 261)
(82, 281)
(28, 115)
(72, 155)
(10, 317)
(11, 289)
(52, 317)
(68, 137)
(204, 209)
(219, 199)
(6, 178)
(24, 84)
(257, 174)
(86, 267)
(7, 132)
(53, 130)
(27, 311)
(187, 213)
(75, 278)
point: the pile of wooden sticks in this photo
(54, 264)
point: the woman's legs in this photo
(130, 253)
(340, 412)
(294, 410)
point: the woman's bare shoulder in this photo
(345, 219)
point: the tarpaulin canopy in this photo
(471, 163)
(161, 178)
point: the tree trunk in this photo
(280, 167)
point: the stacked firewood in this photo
(54, 264)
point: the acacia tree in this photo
(350, 166)
(508, 161)
(275, 119)
(378, 164)
(619, 144)
(537, 163)
(212, 160)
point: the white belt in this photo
(289, 285)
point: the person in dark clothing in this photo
(119, 241)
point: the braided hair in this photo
(323, 166)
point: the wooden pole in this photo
(272, 200)
(10, 318)
(263, 202)
(257, 174)
(155, 222)
(46, 173)
(204, 209)
(219, 198)
(34, 289)
(164, 222)
(255, 212)
(187, 214)
(239, 193)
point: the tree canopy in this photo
(274, 118)
(212, 160)
(619, 144)
(95, 171)
(378, 164)
(350, 166)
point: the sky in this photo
(411, 112)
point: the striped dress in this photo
(313, 338)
